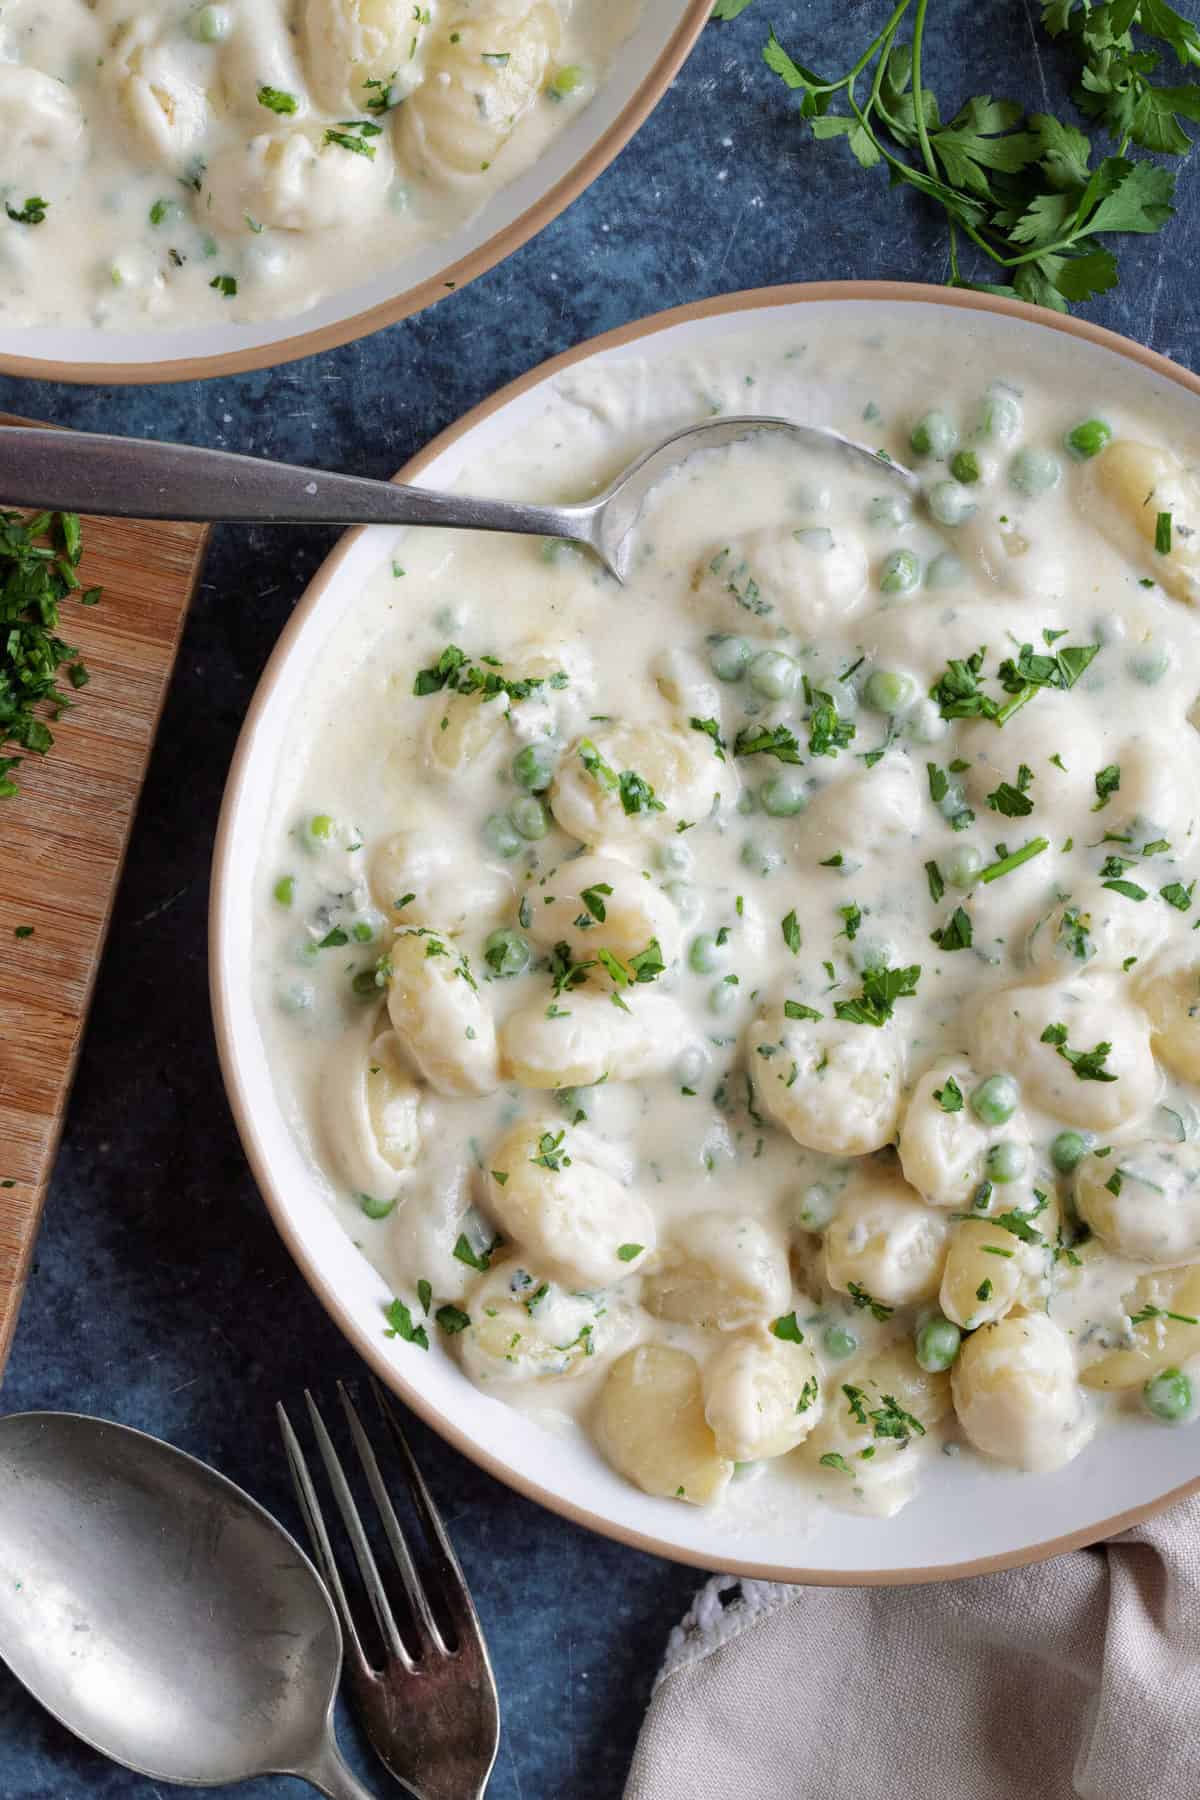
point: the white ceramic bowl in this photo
(641, 72)
(968, 1518)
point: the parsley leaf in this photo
(881, 988)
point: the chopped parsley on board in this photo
(39, 556)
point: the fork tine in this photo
(314, 1520)
(363, 1556)
(457, 1593)
(391, 1524)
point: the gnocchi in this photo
(440, 1017)
(1017, 1396)
(569, 1214)
(650, 1423)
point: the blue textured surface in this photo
(161, 1295)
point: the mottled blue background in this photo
(161, 1295)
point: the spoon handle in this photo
(331, 1776)
(138, 478)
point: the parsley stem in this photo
(1007, 864)
(889, 31)
(918, 90)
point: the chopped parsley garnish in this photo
(455, 670)
(629, 1252)
(465, 1252)
(949, 1096)
(1087, 1064)
(808, 1394)
(353, 136)
(955, 934)
(984, 1290)
(937, 885)
(760, 740)
(881, 988)
(856, 1402)
(32, 213)
(852, 915)
(1146, 1313)
(1012, 801)
(790, 926)
(636, 794)
(278, 100)
(796, 1009)
(1108, 780)
(832, 1459)
(891, 1421)
(711, 729)
(1129, 889)
(1006, 864)
(1162, 534)
(1073, 931)
(594, 897)
(452, 1319)
(550, 1154)
(1178, 896)
(788, 1329)
(425, 1296)
(880, 1313)
(400, 1324)
(226, 285)
(827, 732)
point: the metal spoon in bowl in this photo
(136, 478)
(159, 1613)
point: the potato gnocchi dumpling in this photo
(359, 50)
(762, 1395)
(882, 1411)
(720, 1271)
(486, 67)
(43, 129)
(989, 1267)
(807, 578)
(524, 1327)
(1016, 1394)
(832, 1085)
(593, 902)
(372, 1111)
(441, 1018)
(575, 1043)
(884, 1242)
(649, 1421)
(875, 813)
(1131, 486)
(626, 786)
(419, 879)
(162, 103)
(1094, 928)
(943, 1144)
(566, 1212)
(1163, 1331)
(1041, 1032)
(1171, 997)
(1143, 1200)
(294, 181)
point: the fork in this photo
(431, 1711)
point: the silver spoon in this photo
(159, 1613)
(92, 472)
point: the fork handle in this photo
(331, 1776)
(138, 478)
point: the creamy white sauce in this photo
(735, 1165)
(239, 160)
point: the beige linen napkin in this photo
(1078, 1677)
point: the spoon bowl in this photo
(159, 1612)
(136, 478)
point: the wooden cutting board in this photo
(62, 843)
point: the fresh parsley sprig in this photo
(1021, 188)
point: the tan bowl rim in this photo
(351, 1327)
(452, 279)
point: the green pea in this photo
(506, 952)
(501, 835)
(529, 816)
(816, 1207)
(683, 897)
(706, 955)
(1168, 1396)
(1068, 1151)
(783, 796)
(810, 497)
(963, 866)
(747, 802)
(1001, 415)
(675, 857)
(873, 953)
(817, 538)
(838, 1341)
(937, 1344)
(533, 767)
(965, 467)
(889, 510)
(953, 801)
(567, 81)
(1006, 1162)
(1150, 665)
(722, 998)
(1034, 472)
(951, 503)
(729, 657)
(926, 724)
(285, 890)
(774, 674)
(1088, 439)
(945, 571)
(889, 691)
(934, 435)
(210, 25)
(994, 1101)
(376, 1209)
(320, 827)
(760, 859)
(900, 572)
